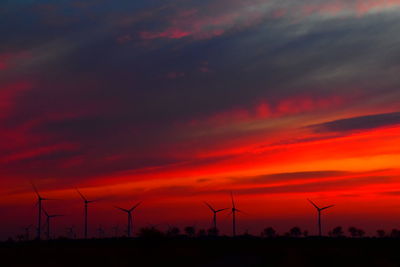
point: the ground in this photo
(203, 252)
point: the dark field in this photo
(203, 252)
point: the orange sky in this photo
(271, 179)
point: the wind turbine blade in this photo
(82, 196)
(45, 212)
(222, 210)
(35, 189)
(121, 209)
(327, 207)
(211, 208)
(134, 207)
(313, 204)
(233, 202)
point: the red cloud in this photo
(169, 33)
(264, 109)
(358, 7)
(35, 152)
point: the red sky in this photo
(176, 104)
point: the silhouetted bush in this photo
(202, 233)
(336, 232)
(213, 231)
(173, 232)
(381, 233)
(150, 232)
(268, 232)
(190, 231)
(295, 232)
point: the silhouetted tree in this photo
(213, 231)
(354, 232)
(395, 233)
(337, 232)
(190, 231)
(173, 232)
(268, 232)
(361, 233)
(295, 232)
(150, 232)
(20, 238)
(247, 233)
(202, 233)
(381, 233)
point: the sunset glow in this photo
(174, 103)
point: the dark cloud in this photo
(320, 186)
(348, 183)
(120, 99)
(359, 123)
(282, 177)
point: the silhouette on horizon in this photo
(86, 203)
(319, 215)
(70, 232)
(129, 227)
(48, 217)
(233, 212)
(215, 214)
(40, 208)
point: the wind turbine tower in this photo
(39, 204)
(86, 203)
(130, 219)
(48, 218)
(234, 210)
(319, 215)
(214, 211)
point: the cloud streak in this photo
(359, 123)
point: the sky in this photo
(174, 103)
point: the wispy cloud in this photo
(359, 123)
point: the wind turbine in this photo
(130, 220)
(70, 232)
(101, 231)
(86, 203)
(27, 232)
(319, 215)
(215, 213)
(48, 217)
(39, 203)
(116, 230)
(234, 210)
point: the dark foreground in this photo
(201, 252)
